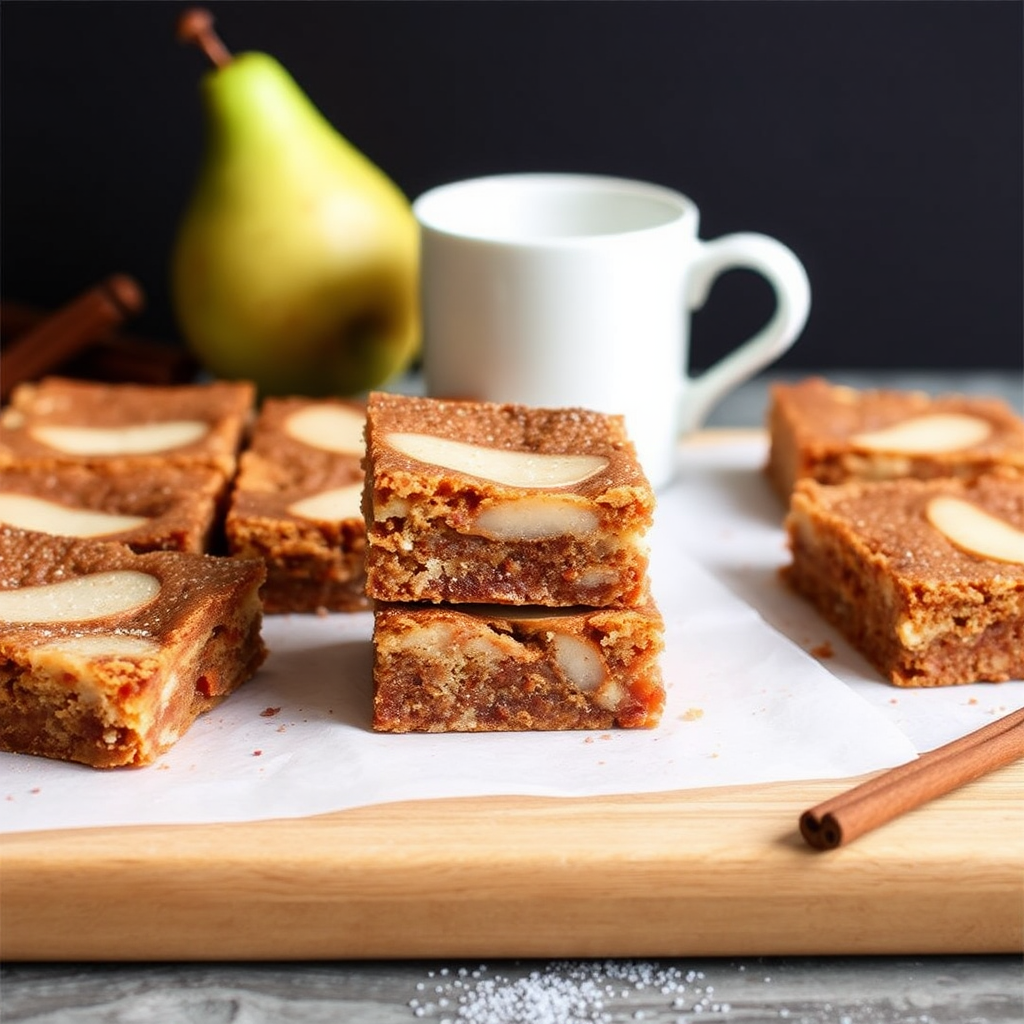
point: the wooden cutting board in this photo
(713, 872)
(698, 873)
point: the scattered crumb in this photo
(823, 650)
(973, 700)
(894, 700)
(269, 712)
(35, 789)
(692, 714)
(588, 739)
(257, 753)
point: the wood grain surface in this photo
(706, 873)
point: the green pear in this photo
(297, 260)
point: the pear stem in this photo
(196, 26)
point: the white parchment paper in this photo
(746, 702)
(730, 521)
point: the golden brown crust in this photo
(813, 423)
(225, 407)
(505, 427)
(180, 505)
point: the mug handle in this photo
(786, 274)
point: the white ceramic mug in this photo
(576, 290)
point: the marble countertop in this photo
(809, 990)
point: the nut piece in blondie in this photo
(488, 503)
(925, 578)
(156, 508)
(60, 421)
(833, 434)
(107, 656)
(296, 504)
(470, 668)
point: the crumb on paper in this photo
(692, 714)
(257, 753)
(824, 650)
(973, 700)
(269, 712)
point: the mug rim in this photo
(431, 219)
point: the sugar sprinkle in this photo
(620, 992)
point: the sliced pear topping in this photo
(580, 661)
(534, 518)
(330, 506)
(81, 598)
(28, 513)
(328, 427)
(514, 468)
(975, 530)
(939, 432)
(137, 439)
(103, 645)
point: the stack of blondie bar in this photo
(507, 559)
(906, 525)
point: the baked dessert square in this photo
(476, 502)
(296, 504)
(156, 508)
(60, 421)
(832, 433)
(925, 578)
(473, 668)
(107, 656)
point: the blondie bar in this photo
(107, 656)
(296, 504)
(60, 421)
(471, 668)
(157, 508)
(925, 578)
(480, 502)
(832, 434)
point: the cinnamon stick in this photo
(843, 818)
(68, 331)
(114, 356)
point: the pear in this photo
(296, 263)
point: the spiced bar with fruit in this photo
(832, 434)
(296, 504)
(107, 657)
(497, 503)
(925, 578)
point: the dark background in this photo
(882, 141)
